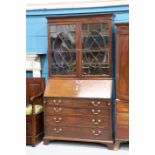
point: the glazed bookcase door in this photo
(80, 47)
(63, 49)
(95, 49)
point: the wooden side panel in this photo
(39, 123)
(122, 120)
(122, 83)
(28, 129)
(122, 106)
(122, 63)
(122, 132)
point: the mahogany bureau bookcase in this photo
(122, 84)
(78, 96)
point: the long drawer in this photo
(78, 102)
(94, 111)
(79, 121)
(79, 133)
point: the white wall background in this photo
(42, 4)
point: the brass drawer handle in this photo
(54, 101)
(57, 109)
(96, 122)
(96, 104)
(57, 102)
(108, 104)
(96, 133)
(96, 112)
(57, 130)
(57, 119)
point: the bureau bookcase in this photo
(78, 96)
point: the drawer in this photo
(78, 102)
(122, 106)
(122, 131)
(122, 118)
(94, 111)
(79, 133)
(80, 121)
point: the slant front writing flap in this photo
(79, 88)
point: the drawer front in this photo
(77, 102)
(122, 106)
(79, 121)
(82, 133)
(94, 111)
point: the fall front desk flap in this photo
(79, 88)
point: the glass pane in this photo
(63, 49)
(95, 51)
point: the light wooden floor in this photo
(74, 148)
